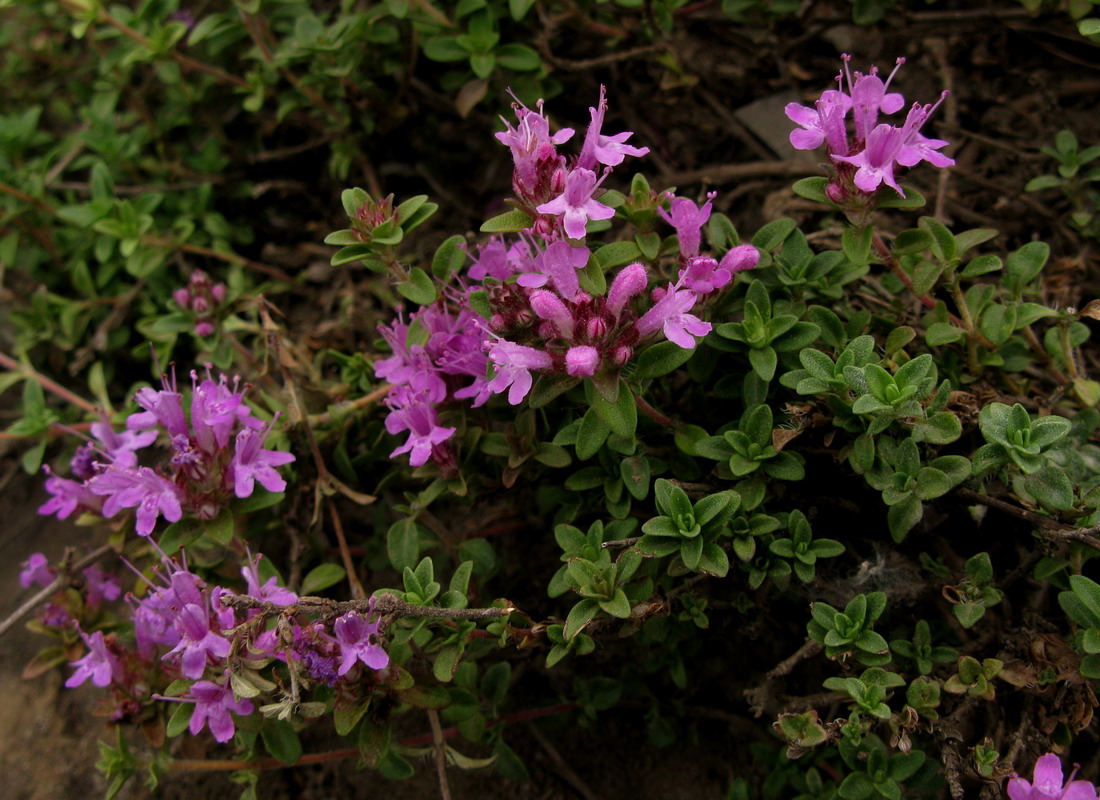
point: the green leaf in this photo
(449, 257)
(660, 359)
(322, 577)
(579, 616)
(621, 416)
(618, 606)
(903, 516)
(1088, 592)
(812, 189)
(1051, 487)
(617, 253)
(446, 663)
(518, 57)
(635, 474)
(179, 719)
(508, 222)
(714, 561)
(941, 333)
(221, 528)
(773, 234)
(281, 741)
(418, 288)
(403, 544)
(763, 361)
(591, 435)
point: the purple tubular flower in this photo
(607, 150)
(121, 446)
(688, 219)
(876, 162)
(532, 146)
(916, 147)
(358, 640)
(215, 412)
(582, 361)
(67, 497)
(411, 411)
(869, 96)
(1047, 784)
(152, 494)
(823, 123)
(513, 363)
(100, 586)
(703, 275)
(213, 702)
(631, 281)
(740, 258)
(36, 571)
(164, 407)
(558, 263)
(550, 307)
(99, 664)
(670, 314)
(197, 641)
(269, 590)
(575, 204)
(252, 463)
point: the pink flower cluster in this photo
(216, 453)
(868, 157)
(201, 297)
(183, 631)
(540, 320)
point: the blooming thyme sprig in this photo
(216, 454)
(866, 157)
(535, 318)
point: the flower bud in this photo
(582, 361)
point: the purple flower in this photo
(1047, 783)
(688, 219)
(100, 664)
(197, 641)
(317, 652)
(215, 412)
(121, 446)
(631, 281)
(100, 586)
(36, 571)
(513, 363)
(164, 407)
(876, 162)
(869, 96)
(152, 494)
(916, 147)
(252, 463)
(269, 590)
(213, 702)
(550, 308)
(670, 314)
(358, 640)
(533, 149)
(411, 411)
(823, 123)
(557, 263)
(575, 204)
(67, 497)
(607, 150)
(582, 361)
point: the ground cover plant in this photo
(554, 432)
